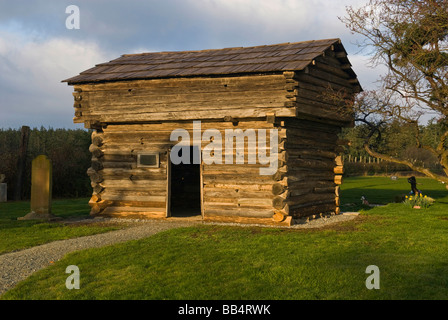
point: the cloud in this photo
(37, 51)
(30, 79)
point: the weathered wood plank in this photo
(229, 83)
(247, 220)
(249, 112)
(214, 210)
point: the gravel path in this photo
(17, 266)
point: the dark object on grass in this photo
(364, 201)
(413, 183)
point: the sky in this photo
(38, 51)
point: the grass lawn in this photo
(17, 235)
(409, 246)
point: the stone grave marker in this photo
(41, 189)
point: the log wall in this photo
(306, 182)
(181, 99)
(121, 188)
(139, 116)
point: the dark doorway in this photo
(186, 187)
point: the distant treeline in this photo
(68, 150)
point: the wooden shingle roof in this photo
(228, 61)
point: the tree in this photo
(409, 37)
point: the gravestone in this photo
(41, 189)
(3, 189)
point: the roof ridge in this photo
(231, 48)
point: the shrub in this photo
(418, 201)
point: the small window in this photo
(148, 160)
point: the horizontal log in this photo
(120, 191)
(78, 119)
(307, 124)
(324, 190)
(278, 216)
(278, 188)
(279, 202)
(317, 72)
(130, 212)
(338, 161)
(126, 183)
(308, 144)
(314, 135)
(247, 220)
(95, 176)
(132, 149)
(78, 112)
(253, 111)
(303, 153)
(237, 186)
(96, 165)
(98, 206)
(322, 111)
(232, 178)
(333, 70)
(338, 179)
(294, 192)
(77, 96)
(118, 165)
(160, 206)
(246, 170)
(133, 171)
(308, 78)
(250, 203)
(215, 210)
(96, 152)
(236, 193)
(304, 211)
(114, 103)
(310, 175)
(167, 127)
(254, 202)
(339, 170)
(309, 183)
(97, 138)
(117, 197)
(135, 178)
(190, 84)
(310, 164)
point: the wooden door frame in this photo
(168, 184)
(201, 171)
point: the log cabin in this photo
(136, 102)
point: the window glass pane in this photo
(148, 160)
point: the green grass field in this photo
(17, 235)
(409, 246)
